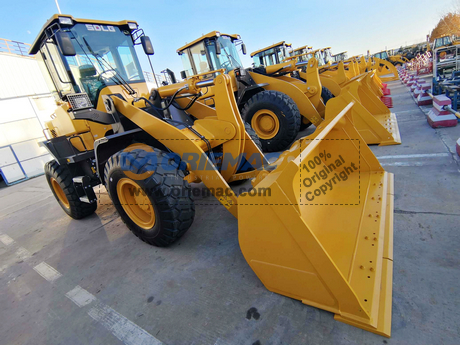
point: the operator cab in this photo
(301, 53)
(382, 55)
(340, 57)
(271, 55)
(326, 56)
(444, 41)
(211, 52)
(84, 56)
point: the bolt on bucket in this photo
(323, 233)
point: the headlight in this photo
(132, 26)
(238, 37)
(65, 21)
(217, 34)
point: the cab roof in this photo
(55, 19)
(341, 53)
(270, 47)
(209, 35)
(303, 47)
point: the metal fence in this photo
(14, 47)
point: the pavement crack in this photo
(453, 153)
(426, 212)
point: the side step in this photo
(84, 183)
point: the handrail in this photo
(14, 47)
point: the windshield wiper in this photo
(117, 78)
(230, 57)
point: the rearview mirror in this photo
(217, 48)
(243, 49)
(183, 75)
(147, 45)
(65, 43)
(172, 76)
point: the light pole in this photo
(57, 5)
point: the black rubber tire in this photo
(61, 173)
(174, 213)
(286, 111)
(326, 95)
(303, 125)
(252, 133)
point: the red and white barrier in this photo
(423, 98)
(417, 89)
(410, 81)
(414, 85)
(438, 117)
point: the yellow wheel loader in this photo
(385, 67)
(148, 147)
(445, 41)
(340, 57)
(269, 98)
(301, 51)
(372, 118)
(397, 60)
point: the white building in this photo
(25, 104)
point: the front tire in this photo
(150, 194)
(274, 117)
(252, 133)
(60, 181)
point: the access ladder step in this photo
(83, 183)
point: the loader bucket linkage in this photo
(331, 250)
(385, 70)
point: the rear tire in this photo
(60, 181)
(274, 117)
(326, 95)
(150, 194)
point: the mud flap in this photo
(331, 248)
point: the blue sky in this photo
(354, 26)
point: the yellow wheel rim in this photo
(59, 193)
(136, 203)
(265, 123)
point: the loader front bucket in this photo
(386, 70)
(327, 243)
(371, 117)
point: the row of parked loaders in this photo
(317, 225)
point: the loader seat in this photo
(91, 84)
(203, 67)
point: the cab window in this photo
(200, 59)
